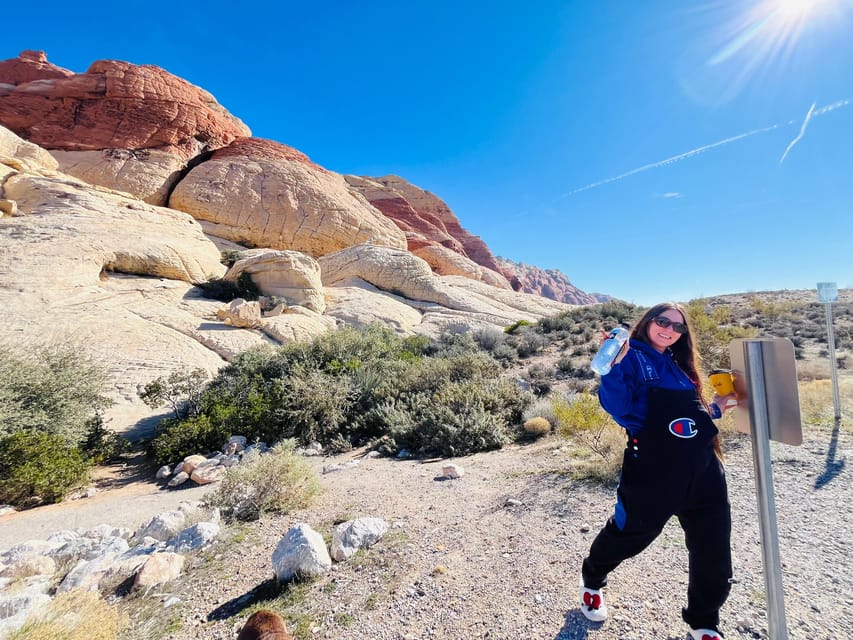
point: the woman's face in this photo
(662, 337)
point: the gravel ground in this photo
(496, 554)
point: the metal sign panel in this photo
(771, 374)
(827, 292)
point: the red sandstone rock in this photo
(29, 66)
(263, 148)
(114, 105)
(426, 219)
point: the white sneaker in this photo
(705, 634)
(592, 603)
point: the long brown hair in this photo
(683, 351)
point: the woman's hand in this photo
(725, 402)
(622, 352)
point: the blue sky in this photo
(654, 150)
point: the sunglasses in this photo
(664, 322)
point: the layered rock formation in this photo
(94, 258)
(123, 126)
(261, 193)
(433, 231)
(548, 283)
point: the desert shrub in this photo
(462, 417)
(505, 352)
(454, 424)
(517, 326)
(450, 343)
(38, 467)
(102, 445)
(229, 257)
(228, 290)
(181, 391)
(54, 388)
(579, 320)
(315, 405)
(541, 408)
(581, 419)
(346, 388)
(712, 335)
(540, 378)
(489, 338)
(537, 426)
(177, 439)
(73, 615)
(277, 481)
(529, 343)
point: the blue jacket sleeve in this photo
(618, 393)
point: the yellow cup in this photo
(722, 381)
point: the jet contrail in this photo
(800, 134)
(813, 112)
(673, 159)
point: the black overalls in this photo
(670, 469)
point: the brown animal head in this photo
(264, 625)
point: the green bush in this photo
(712, 335)
(175, 440)
(462, 417)
(316, 405)
(454, 424)
(228, 290)
(54, 389)
(102, 445)
(181, 391)
(38, 468)
(350, 387)
(517, 326)
(277, 481)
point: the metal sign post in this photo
(827, 293)
(768, 408)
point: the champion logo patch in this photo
(683, 428)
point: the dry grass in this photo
(599, 441)
(817, 404)
(74, 615)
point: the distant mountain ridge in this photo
(548, 283)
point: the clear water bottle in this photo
(610, 348)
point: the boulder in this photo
(241, 313)
(159, 568)
(301, 552)
(146, 174)
(349, 537)
(290, 275)
(260, 193)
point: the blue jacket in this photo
(624, 391)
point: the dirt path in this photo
(126, 496)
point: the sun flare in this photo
(772, 26)
(793, 10)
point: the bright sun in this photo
(772, 26)
(793, 11)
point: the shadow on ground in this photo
(267, 590)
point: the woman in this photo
(671, 467)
